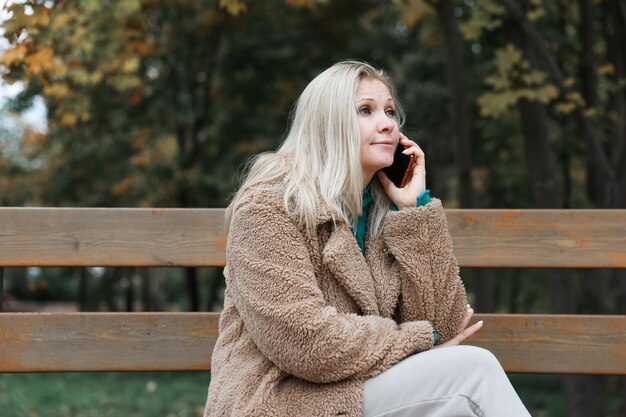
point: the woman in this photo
(335, 278)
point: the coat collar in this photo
(344, 259)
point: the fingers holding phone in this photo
(401, 170)
(405, 179)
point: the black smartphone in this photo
(400, 170)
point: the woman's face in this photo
(377, 125)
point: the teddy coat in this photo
(307, 320)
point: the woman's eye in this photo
(364, 110)
(391, 112)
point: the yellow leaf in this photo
(495, 104)
(534, 78)
(56, 90)
(139, 143)
(607, 69)
(590, 112)
(565, 108)
(575, 97)
(124, 186)
(166, 148)
(140, 161)
(234, 7)
(142, 48)
(569, 82)
(17, 22)
(123, 9)
(485, 17)
(414, 11)
(40, 61)
(508, 57)
(61, 20)
(300, 3)
(211, 17)
(95, 77)
(79, 76)
(130, 65)
(41, 17)
(68, 119)
(536, 14)
(15, 55)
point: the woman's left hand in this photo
(464, 330)
(407, 196)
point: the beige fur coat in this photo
(307, 320)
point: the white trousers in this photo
(455, 381)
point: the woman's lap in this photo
(448, 381)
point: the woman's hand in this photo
(464, 331)
(407, 196)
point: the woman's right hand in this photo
(406, 196)
(464, 331)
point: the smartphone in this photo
(399, 171)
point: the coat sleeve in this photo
(272, 282)
(431, 288)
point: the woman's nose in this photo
(385, 123)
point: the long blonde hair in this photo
(318, 163)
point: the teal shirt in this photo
(361, 224)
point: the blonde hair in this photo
(318, 163)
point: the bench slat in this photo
(40, 342)
(111, 237)
(195, 237)
(568, 344)
(55, 342)
(539, 238)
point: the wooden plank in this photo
(589, 344)
(111, 237)
(54, 342)
(36, 342)
(195, 237)
(539, 238)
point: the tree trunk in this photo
(483, 281)
(614, 31)
(192, 288)
(111, 276)
(216, 285)
(130, 292)
(583, 393)
(82, 289)
(540, 159)
(535, 41)
(458, 100)
(146, 289)
(588, 78)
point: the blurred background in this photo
(158, 103)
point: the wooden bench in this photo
(52, 342)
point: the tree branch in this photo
(555, 74)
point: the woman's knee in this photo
(480, 360)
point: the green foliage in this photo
(154, 103)
(158, 103)
(486, 16)
(15, 182)
(513, 81)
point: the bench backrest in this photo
(48, 342)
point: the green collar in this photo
(361, 224)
